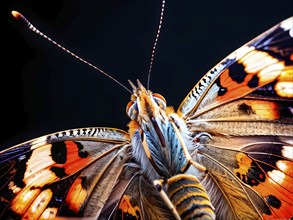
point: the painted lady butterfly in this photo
(227, 151)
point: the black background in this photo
(44, 90)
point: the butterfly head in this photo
(144, 103)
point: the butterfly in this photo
(226, 153)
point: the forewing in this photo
(250, 91)
(72, 172)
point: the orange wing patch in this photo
(126, 210)
(232, 88)
(263, 109)
(75, 158)
(53, 161)
(39, 205)
(22, 201)
(273, 186)
(76, 196)
(47, 164)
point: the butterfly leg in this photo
(187, 154)
(185, 197)
(159, 184)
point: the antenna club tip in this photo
(16, 14)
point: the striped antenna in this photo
(155, 43)
(23, 19)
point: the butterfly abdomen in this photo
(189, 197)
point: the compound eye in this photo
(160, 100)
(132, 110)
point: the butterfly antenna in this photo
(155, 43)
(22, 18)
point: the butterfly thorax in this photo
(156, 145)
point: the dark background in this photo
(44, 90)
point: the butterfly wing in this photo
(140, 199)
(72, 172)
(245, 102)
(249, 184)
(250, 91)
